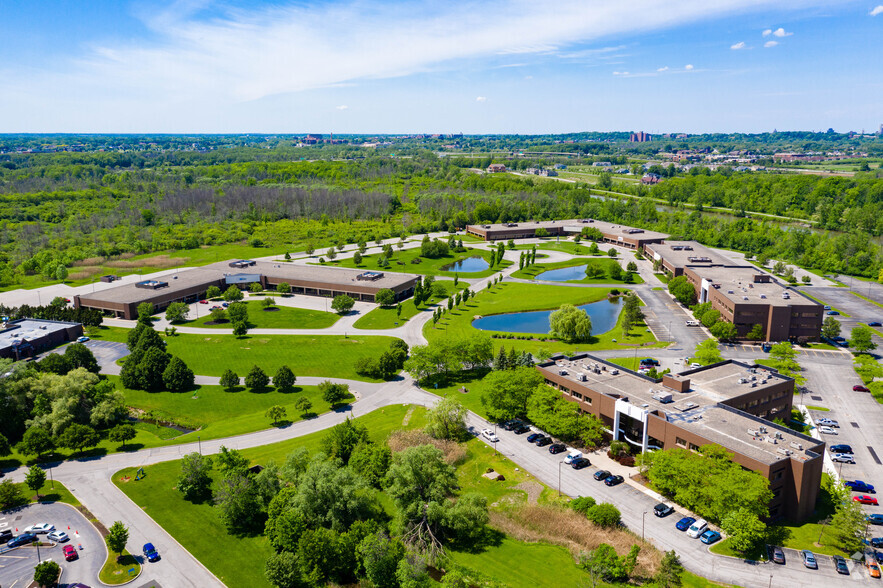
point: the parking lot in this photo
(17, 565)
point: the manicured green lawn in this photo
(629, 363)
(307, 355)
(818, 408)
(49, 492)
(534, 271)
(283, 317)
(515, 297)
(401, 262)
(118, 572)
(197, 526)
(386, 318)
(525, 565)
(563, 246)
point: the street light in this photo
(199, 442)
(559, 478)
(643, 514)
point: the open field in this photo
(517, 297)
(533, 271)
(401, 261)
(388, 318)
(283, 317)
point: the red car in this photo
(865, 499)
(70, 553)
(203, 301)
(859, 388)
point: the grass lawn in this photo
(519, 564)
(563, 246)
(284, 317)
(306, 355)
(629, 363)
(820, 346)
(818, 408)
(197, 526)
(401, 262)
(533, 271)
(516, 297)
(386, 318)
(49, 492)
(116, 572)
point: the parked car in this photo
(601, 475)
(5, 535)
(203, 301)
(22, 539)
(842, 448)
(826, 307)
(777, 555)
(709, 537)
(82, 339)
(533, 437)
(827, 430)
(765, 347)
(150, 552)
(215, 307)
(70, 553)
(875, 519)
(842, 458)
(40, 528)
(579, 463)
(572, 455)
(809, 560)
(873, 568)
(860, 388)
(58, 536)
(684, 523)
(649, 361)
(695, 365)
(840, 565)
(521, 429)
(512, 424)
(859, 486)
(544, 440)
(556, 448)
(865, 499)
(613, 480)
(875, 324)
(662, 510)
(697, 528)
(832, 313)
(829, 423)
(225, 304)
(489, 435)
(875, 542)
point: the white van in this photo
(697, 528)
(572, 455)
(692, 323)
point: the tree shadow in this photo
(282, 424)
(486, 539)
(289, 389)
(130, 447)
(235, 389)
(342, 407)
(261, 390)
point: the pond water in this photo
(603, 314)
(470, 264)
(564, 274)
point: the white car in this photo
(40, 528)
(489, 435)
(827, 430)
(694, 364)
(58, 536)
(829, 423)
(697, 528)
(842, 458)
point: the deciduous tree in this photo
(117, 537)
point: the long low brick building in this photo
(189, 285)
(630, 237)
(730, 404)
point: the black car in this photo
(874, 324)
(579, 463)
(533, 437)
(601, 475)
(543, 441)
(22, 539)
(556, 448)
(840, 565)
(521, 429)
(511, 425)
(842, 448)
(613, 480)
(5, 535)
(877, 542)
(662, 510)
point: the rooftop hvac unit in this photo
(742, 380)
(779, 435)
(797, 445)
(42, 327)
(614, 372)
(754, 384)
(730, 292)
(581, 377)
(783, 451)
(753, 433)
(562, 372)
(762, 429)
(663, 397)
(771, 440)
(763, 296)
(745, 298)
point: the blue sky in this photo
(363, 66)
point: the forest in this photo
(66, 214)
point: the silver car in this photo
(809, 560)
(40, 528)
(58, 536)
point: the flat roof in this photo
(699, 408)
(30, 330)
(691, 253)
(738, 285)
(575, 226)
(130, 293)
(319, 274)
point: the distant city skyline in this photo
(199, 66)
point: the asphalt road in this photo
(17, 565)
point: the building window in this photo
(694, 447)
(777, 475)
(576, 395)
(680, 442)
(587, 400)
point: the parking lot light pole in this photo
(559, 478)
(643, 514)
(199, 442)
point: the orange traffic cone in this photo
(68, 527)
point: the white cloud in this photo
(342, 107)
(663, 68)
(620, 73)
(780, 32)
(767, 32)
(769, 44)
(737, 46)
(688, 67)
(877, 10)
(481, 99)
